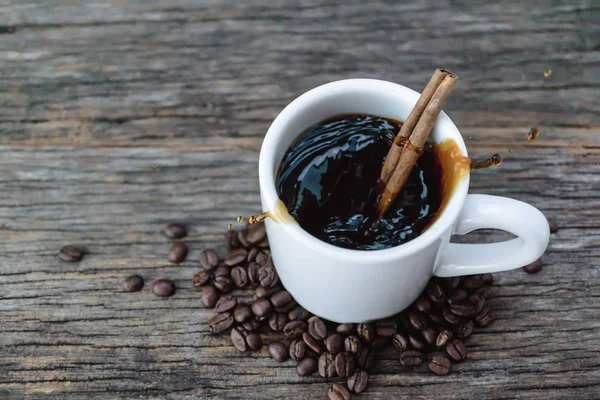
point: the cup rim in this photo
(294, 230)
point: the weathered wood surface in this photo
(117, 117)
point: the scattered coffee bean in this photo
(483, 292)
(473, 282)
(400, 342)
(358, 382)
(479, 303)
(178, 252)
(235, 257)
(450, 317)
(134, 283)
(277, 321)
(261, 308)
(415, 342)
(242, 239)
(430, 335)
(239, 276)
(263, 257)
(366, 332)
(257, 233)
(70, 254)
(411, 358)
(365, 358)
(458, 296)
(287, 307)
(238, 338)
(484, 317)
(307, 366)
(423, 305)
(251, 325)
(231, 239)
(242, 313)
(418, 321)
(451, 283)
(317, 328)
(312, 343)
(294, 329)
(456, 349)
(252, 253)
(464, 310)
(209, 259)
(200, 278)
(175, 231)
(163, 288)
(223, 283)
(278, 351)
(226, 303)
(220, 323)
(440, 365)
(534, 267)
(443, 338)
(297, 350)
(298, 313)
(222, 271)
(487, 279)
(435, 316)
(338, 392)
(334, 343)
(253, 273)
(379, 342)
(345, 329)
(254, 341)
(345, 364)
(553, 226)
(265, 293)
(353, 344)
(464, 330)
(386, 327)
(436, 293)
(327, 365)
(210, 296)
(281, 298)
(267, 276)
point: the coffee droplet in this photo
(496, 159)
(533, 134)
(240, 218)
(548, 73)
(252, 220)
(493, 160)
(261, 217)
(229, 226)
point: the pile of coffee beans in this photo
(432, 330)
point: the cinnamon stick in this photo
(391, 160)
(417, 139)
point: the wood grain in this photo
(118, 117)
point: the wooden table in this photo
(118, 117)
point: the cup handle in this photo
(484, 211)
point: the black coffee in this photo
(327, 180)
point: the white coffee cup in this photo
(344, 285)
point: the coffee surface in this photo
(328, 177)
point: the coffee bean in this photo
(200, 278)
(456, 349)
(232, 240)
(464, 310)
(312, 343)
(254, 341)
(278, 351)
(443, 338)
(264, 293)
(223, 283)
(317, 328)
(242, 313)
(440, 365)
(534, 267)
(553, 226)
(225, 303)
(464, 330)
(294, 329)
(235, 257)
(379, 342)
(415, 342)
(261, 308)
(487, 279)
(338, 392)
(345, 364)
(353, 344)
(178, 252)
(436, 293)
(251, 325)
(483, 292)
(423, 304)
(417, 320)
(239, 276)
(450, 317)
(222, 271)
(400, 342)
(327, 365)
(175, 231)
(358, 381)
(253, 273)
(209, 259)
(478, 305)
(210, 296)
(220, 323)
(163, 288)
(411, 358)
(267, 275)
(386, 327)
(458, 296)
(256, 233)
(242, 238)
(277, 321)
(473, 282)
(451, 283)
(484, 317)
(238, 338)
(334, 343)
(435, 316)
(263, 257)
(298, 313)
(281, 298)
(252, 253)
(345, 329)
(134, 283)
(297, 350)
(287, 307)
(307, 366)
(430, 335)
(365, 358)
(366, 332)
(70, 254)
